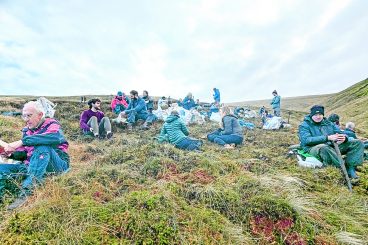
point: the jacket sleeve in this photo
(184, 128)
(129, 108)
(306, 137)
(83, 122)
(163, 135)
(140, 106)
(113, 104)
(276, 100)
(43, 139)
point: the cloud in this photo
(245, 48)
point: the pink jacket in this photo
(116, 102)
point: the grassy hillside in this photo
(300, 103)
(133, 190)
(352, 105)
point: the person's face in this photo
(317, 117)
(145, 93)
(31, 117)
(97, 105)
(274, 94)
(132, 96)
(119, 97)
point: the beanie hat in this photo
(317, 109)
(334, 118)
(120, 93)
(274, 92)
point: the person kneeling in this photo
(230, 134)
(175, 132)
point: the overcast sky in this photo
(245, 48)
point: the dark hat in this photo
(120, 93)
(274, 92)
(334, 118)
(317, 109)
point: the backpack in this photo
(48, 106)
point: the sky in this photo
(245, 48)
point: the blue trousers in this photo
(217, 138)
(147, 117)
(189, 144)
(44, 160)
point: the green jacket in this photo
(173, 130)
(312, 133)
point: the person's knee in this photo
(93, 118)
(355, 143)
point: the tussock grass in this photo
(133, 190)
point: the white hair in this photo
(35, 105)
(350, 125)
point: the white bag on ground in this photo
(48, 106)
(215, 117)
(273, 123)
(309, 162)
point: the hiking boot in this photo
(352, 174)
(109, 135)
(17, 203)
(130, 127)
(145, 126)
(227, 146)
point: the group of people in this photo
(43, 147)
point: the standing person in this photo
(230, 134)
(42, 149)
(93, 121)
(316, 134)
(148, 100)
(137, 110)
(119, 103)
(188, 102)
(216, 95)
(175, 132)
(275, 103)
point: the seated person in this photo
(162, 103)
(334, 118)
(93, 121)
(350, 132)
(239, 112)
(188, 102)
(231, 133)
(137, 110)
(175, 132)
(148, 100)
(43, 149)
(119, 103)
(316, 135)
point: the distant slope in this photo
(352, 105)
(300, 103)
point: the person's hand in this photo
(9, 148)
(333, 137)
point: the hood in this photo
(172, 118)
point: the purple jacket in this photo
(86, 115)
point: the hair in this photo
(37, 106)
(174, 113)
(226, 110)
(134, 92)
(93, 101)
(145, 91)
(350, 125)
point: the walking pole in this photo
(342, 165)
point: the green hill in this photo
(352, 105)
(133, 190)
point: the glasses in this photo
(26, 116)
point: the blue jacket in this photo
(231, 126)
(149, 102)
(138, 106)
(312, 133)
(188, 103)
(173, 130)
(350, 133)
(216, 95)
(276, 102)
